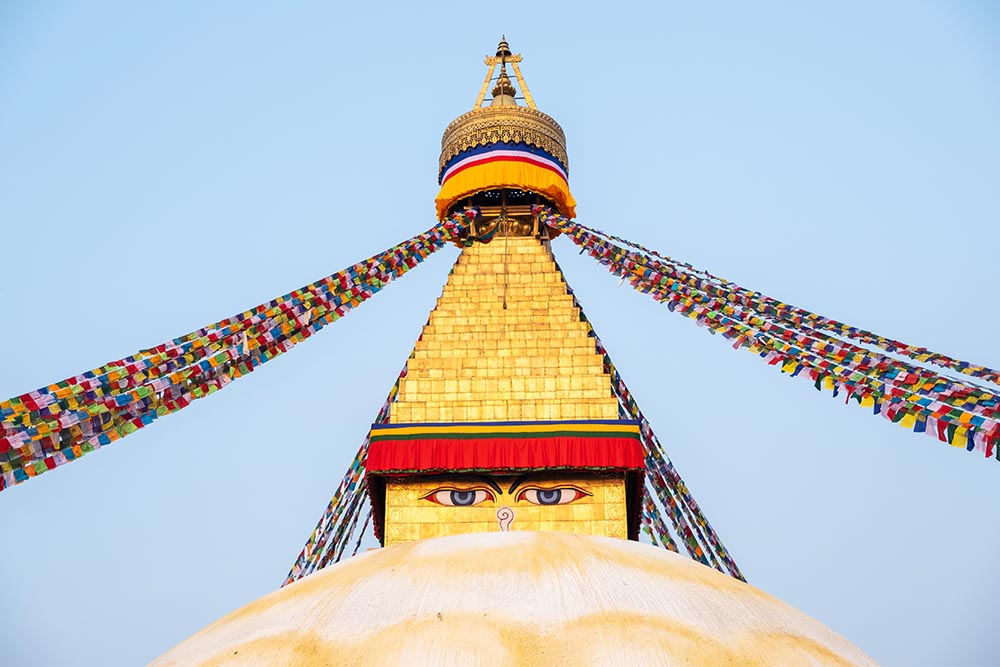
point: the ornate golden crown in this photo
(506, 121)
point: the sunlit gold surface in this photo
(528, 99)
(490, 125)
(505, 56)
(504, 86)
(479, 361)
(485, 86)
(487, 125)
(517, 598)
(494, 60)
(409, 517)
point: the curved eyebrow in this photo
(486, 479)
(490, 481)
(520, 480)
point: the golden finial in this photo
(506, 118)
(503, 49)
(503, 88)
(503, 58)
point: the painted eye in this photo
(466, 497)
(548, 496)
(459, 497)
(558, 496)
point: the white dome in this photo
(512, 599)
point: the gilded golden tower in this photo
(506, 419)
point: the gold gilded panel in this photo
(422, 507)
(493, 124)
(479, 361)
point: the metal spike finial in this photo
(504, 85)
(503, 48)
(503, 58)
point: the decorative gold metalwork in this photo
(503, 54)
(486, 85)
(490, 125)
(524, 86)
(493, 60)
(493, 124)
(504, 86)
(503, 49)
(513, 220)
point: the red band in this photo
(492, 454)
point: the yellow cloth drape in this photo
(506, 174)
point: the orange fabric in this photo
(506, 174)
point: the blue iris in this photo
(463, 497)
(549, 496)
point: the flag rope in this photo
(663, 483)
(956, 410)
(332, 524)
(48, 427)
(801, 317)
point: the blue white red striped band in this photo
(503, 151)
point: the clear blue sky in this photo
(163, 165)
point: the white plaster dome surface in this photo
(517, 598)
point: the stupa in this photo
(506, 484)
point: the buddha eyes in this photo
(459, 497)
(558, 496)
(469, 497)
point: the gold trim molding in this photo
(490, 125)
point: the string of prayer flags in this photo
(871, 370)
(48, 427)
(335, 526)
(804, 318)
(665, 491)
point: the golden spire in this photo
(503, 49)
(503, 92)
(503, 58)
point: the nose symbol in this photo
(505, 516)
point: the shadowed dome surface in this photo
(513, 599)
